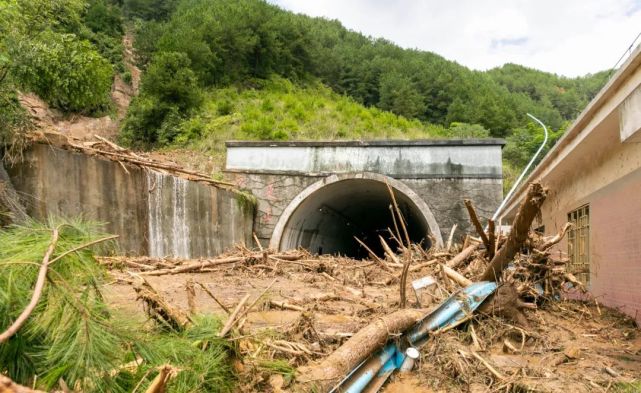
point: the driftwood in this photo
(520, 228)
(233, 317)
(160, 309)
(547, 243)
(491, 238)
(8, 386)
(462, 256)
(207, 263)
(373, 255)
(456, 276)
(477, 224)
(360, 346)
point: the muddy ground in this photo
(568, 346)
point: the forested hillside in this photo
(243, 65)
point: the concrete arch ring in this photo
(398, 186)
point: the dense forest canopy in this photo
(66, 51)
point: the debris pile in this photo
(99, 146)
(488, 314)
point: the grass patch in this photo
(277, 109)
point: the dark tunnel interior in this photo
(327, 221)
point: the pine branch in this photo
(37, 292)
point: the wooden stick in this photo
(555, 239)
(403, 284)
(258, 298)
(191, 296)
(285, 305)
(165, 373)
(37, 291)
(211, 295)
(477, 224)
(232, 317)
(260, 247)
(396, 237)
(152, 164)
(488, 366)
(462, 256)
(456, 276)
(373, 255)
(388, 250)
(400, 216)
(448, 245)
(8, 386)
(491, 238)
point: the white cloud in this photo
(568, 37)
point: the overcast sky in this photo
(568, 37)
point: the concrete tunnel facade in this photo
(319, 195)
(327, 216)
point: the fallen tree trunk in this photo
(520, 228)
(360, 346)
(8, 386)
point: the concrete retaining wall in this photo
(154, 214)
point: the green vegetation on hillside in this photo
(216, 69)
(277, 109)
(231, 41)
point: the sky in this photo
(567, 37)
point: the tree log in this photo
(349, 355)
(462, 256)
(520, 227)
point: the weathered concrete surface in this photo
(441, 172)
(397, 159)
(630, 127)
(153, 213)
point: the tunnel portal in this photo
(326, 218)
(320, 194)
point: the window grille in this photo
(579, 243)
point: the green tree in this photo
(69, 74)
(169, 92)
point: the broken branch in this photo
(37, 291)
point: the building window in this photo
(579, 243)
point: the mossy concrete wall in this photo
(154, 213)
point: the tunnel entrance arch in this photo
(325, 217)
